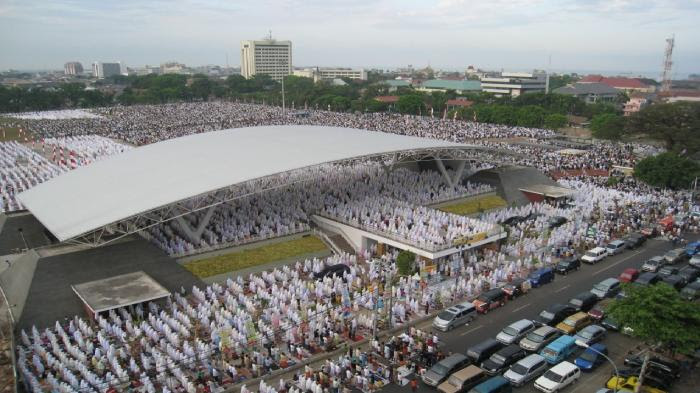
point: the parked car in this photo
(541, 276)
(595, 255)
(616, 247)
(606, 288)
(675, 256)
(610, 323)
(590, 334)
(526, 369)
(598, 311)
(667, 271)
(496, 384)
(557, 221)
(695, 260)
(483, 350)
(691, 291)
(559, 349)
(558, 377)
(502, 359)
(515, 331)
(591, 357)
(457, 315)
(690, 273)
(539, 338)
(648, 278)
(575, 323)
(567, 265)
(489, 300)
(515, 288)
(692, 248)
(656, 361)
(674, 280)
(635, 240)
(629, 384)
(653, 264)
(554, 314)
(463, 380)
(442, 369)
(584, 301)
(629, 275)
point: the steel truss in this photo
(209, 200)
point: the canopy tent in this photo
(158, 182)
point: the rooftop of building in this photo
(462, 85)
(586, 88)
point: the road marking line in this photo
(521, 307)
(471, 330)
(617, 263)
(562, 288)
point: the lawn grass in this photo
(475, 205)
(255, 256)
(8, 133)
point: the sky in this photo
(611, 36)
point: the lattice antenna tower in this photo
(668, 65)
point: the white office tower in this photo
(269, 57)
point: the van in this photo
(489, 300)
(526, 369)
(606, 288)
(558, 377)
(515, 331)
(497, 384)
(457, 315)
(541, 276)
(500, 360)
(559, 349)
(595, 255)
(584, 301)
(575, 323)
(554, 314)
(463, 380)
(615, 247)
(442, 369)
(482, 351)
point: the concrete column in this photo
(195, 235)
(451, 181)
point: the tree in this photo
(530, 116)
(675, 124)
(608, 126)
(411, 104)
(404, 262)
(555, 121)
(667, 170)
(658, 315)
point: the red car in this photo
(629, 275)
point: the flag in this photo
(444, 114)
(454, 117)
(431, 112)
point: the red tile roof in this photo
(616, 82)
(387, 99)
(458, 102)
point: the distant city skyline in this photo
(604, 36)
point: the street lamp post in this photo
(584, 345)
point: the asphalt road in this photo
(530, 305)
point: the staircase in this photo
(341, 243)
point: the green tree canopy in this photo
(404, 262)
(608, 126)
(667, 170)
(658, 315)
(555, 121)
(411, 104)
(675, 124)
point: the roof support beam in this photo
(451, 181)
(195, 234)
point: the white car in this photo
(558, 377)
(595, 255)
(695, 260)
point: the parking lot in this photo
(560, 290)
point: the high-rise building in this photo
(269, 57)
(73, 68)
(105, 70)
(514, 83)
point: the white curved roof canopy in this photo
(157, 175)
